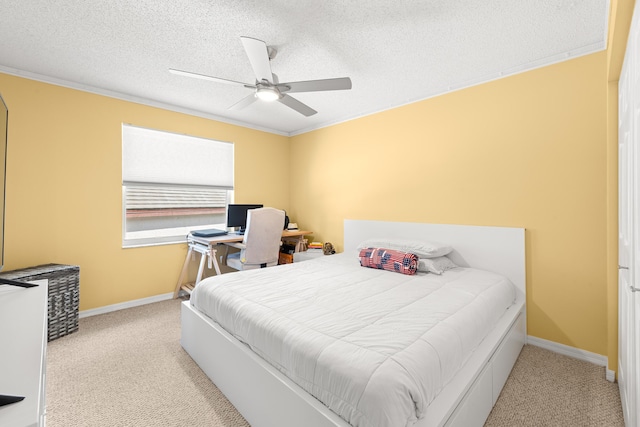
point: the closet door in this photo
(629, 229)
(626, 270)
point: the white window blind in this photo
(152, 156)
(165, 197)
(171, 184)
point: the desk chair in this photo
(260, 246)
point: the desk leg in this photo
(183, 273)
(212, 258)
(203, 258)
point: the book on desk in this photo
(211, 232)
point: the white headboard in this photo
(497, 249)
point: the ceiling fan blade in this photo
(293, 103)
(244, 102)
(258, 57)
(342, 83)
(209, 78)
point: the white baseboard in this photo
(576, 353)
(123, 305)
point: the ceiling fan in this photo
(267, 87)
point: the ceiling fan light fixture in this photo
(268, 94)
(267, 86)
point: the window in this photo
(172, 184)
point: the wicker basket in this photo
(64, 295)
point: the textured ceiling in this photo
(394, 51)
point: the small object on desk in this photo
(6, 399)
(292, 226)
(316, 245)
(211, 232)
(328, 249)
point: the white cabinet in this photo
(23, 343)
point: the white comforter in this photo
(375, 346)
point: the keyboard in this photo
(212, 232)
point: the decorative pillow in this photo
(437, 265)
(422, 249)
(389, 259)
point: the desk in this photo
(207, 248)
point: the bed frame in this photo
(265, 397)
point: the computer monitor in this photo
(237, 216)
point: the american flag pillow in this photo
(389, 259)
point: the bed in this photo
(266, 394)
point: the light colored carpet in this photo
(549, 389)
(127, 368)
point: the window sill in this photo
(171, 236)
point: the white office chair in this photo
(260, 245)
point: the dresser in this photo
(23, 340)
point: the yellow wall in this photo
(524, 151)
(64, 175)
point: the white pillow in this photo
(437, 265)
(422, 249)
